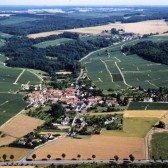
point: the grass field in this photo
(147, 106)
(20, 126)
(18, 153)
(56, 42)
(160, 145)
(145, 27)
(142, 73)
(10, 105)
(103, 146)
(16, 20)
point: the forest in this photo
(156, 52)
(22, 53)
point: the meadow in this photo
(109, 63)
(159, 145)
(52, 43)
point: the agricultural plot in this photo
(103, 146)
(159, 145)
(5, 35)
(10, 105)
(16, 20)
(20, 126)
(147, 106)
(126, 71)
(56, 42)
(29, 77)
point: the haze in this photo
(84, 2)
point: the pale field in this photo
(63, 73)
(145, 113)
(18, 153)
(103, 146)
(102, 113)
(17, 166)
(53, 133)
(145, 27)
(165, 119)
(20, 126)
(5, 15)
(6, 140)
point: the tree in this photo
(93, 156)
(161, 125)
(78, 156)
(132, 158)
(4, 156)
(116, 158)
(48, 156)
(12, 157)
(34, 156)
(63, 155)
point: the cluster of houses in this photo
(76, 98)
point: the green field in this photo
(133, 126)
(4, 35)
(16, 20)
(10, 102)
(10, 105)
(56, 42)
(136, 71)
(160, 146)
(147, 106)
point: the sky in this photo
(83, 2)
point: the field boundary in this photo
(19, 76)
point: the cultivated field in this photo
(56, 42)
(103, 146)
(18, 153)
(147, 106)
(159, 145)
(110, 68)
(20, 126)
(145, 113)
(145, 27)
(10, 105)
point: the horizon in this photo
(84, 3)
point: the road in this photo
(48, 162)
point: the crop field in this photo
(145, 27)
(10, 105)
(18, 153)
(147, 106)
(28, 77)
(5, 35)
(20, 125)
(16, 20)
(103, 146)
(159, 145)
(110, 68)
(56, 42)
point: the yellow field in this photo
(103, 146)
(53, 133)
(20, 126)
(145, 27)
(6, 140)
(145, 113)
(18, 153)
(64, 73)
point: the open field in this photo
(56, 42)
(103, 146)
(147, 106)
(17, 152)
(145, 113)
(159, 145)
(110, 68)
(6, 140)
(20, 126)
(10, 105)
(145, 27)
(16, 20)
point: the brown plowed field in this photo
(103, 146)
